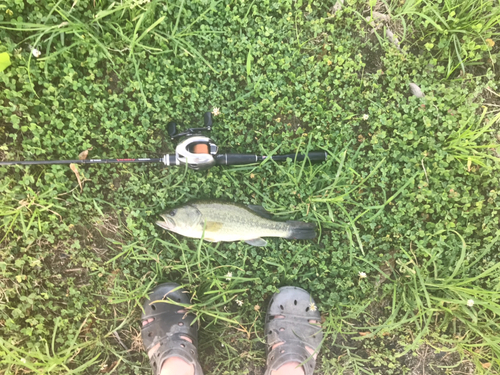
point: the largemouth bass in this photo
(227, 222)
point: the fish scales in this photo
(239, 222)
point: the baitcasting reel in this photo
(197, 151)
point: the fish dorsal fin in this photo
(257, 242)
(261, 211)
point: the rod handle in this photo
(313, 156)
(235, 159)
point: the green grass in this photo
(408, 196)
(48, 360)
(457, 32)
(463, 143)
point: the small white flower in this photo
(366, 117)
(23, 360)
(36, 52)
(470, 303)
(239, 303)
(229, 276)
(216, 111)
(312, 306)
(362, 275)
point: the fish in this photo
(227, 222)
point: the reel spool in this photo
(200, 148)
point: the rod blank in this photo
(89, 161)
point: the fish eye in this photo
(172, 213)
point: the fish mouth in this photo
(167, 223)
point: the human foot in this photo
(167, 333)
(293, 332)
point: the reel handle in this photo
(171, 129)
(207, 120)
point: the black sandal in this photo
(168, 328)
(294, 330)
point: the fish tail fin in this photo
(300, 230)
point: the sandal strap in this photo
(175, 346)
(168, 323)
(287, 353)
(294, 329)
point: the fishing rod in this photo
(197, 151)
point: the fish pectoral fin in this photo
(213, 226)
(257, 242)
